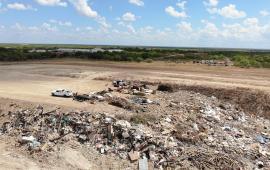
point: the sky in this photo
(178, 23)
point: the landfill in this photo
(186, 130)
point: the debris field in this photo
(158, 127)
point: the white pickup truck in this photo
(62, 93)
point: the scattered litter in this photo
(260, 164)
(261, 139)
(27, 139)
(142, 101)
(143, 164)
(120, 83)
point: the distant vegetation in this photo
(241, 58)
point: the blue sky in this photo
(205, 23)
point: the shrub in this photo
(242, 61)
(149, 60)
(168, 87)
(139, 59)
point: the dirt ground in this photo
(29, 84)
(34, 81)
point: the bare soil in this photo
(39, 78)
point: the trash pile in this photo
(133, 88)
(179, 129)
(93, 96)
(138, 89)
(166, 142)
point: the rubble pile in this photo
(207, 143)
(93, 96)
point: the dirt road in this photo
(33, 81)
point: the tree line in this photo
(240, 58)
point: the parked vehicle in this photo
(62, 93)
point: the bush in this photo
(149, 61)
(168, 87)
(138, 59)
(242, 61)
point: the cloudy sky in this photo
(193, 23)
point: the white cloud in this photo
(249, 34)
(131, 29)
(182, 4)
(83, 8)
(250, 30)
(211, 3)
(264, 13)
(102, 21)
(213, 10)
(19, 6)
(137, 2)
(129, 17)
(48, 27)
(210, 29)
(171, 11)
(229, 11)
(52, 3)
(147, 29)
(251, 21)
(185, 26)
(61, 23)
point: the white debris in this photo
(123, 123)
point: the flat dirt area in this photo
(33, 81)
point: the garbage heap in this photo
(40, 131)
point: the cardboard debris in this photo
(134, 155)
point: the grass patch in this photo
(143, 118)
